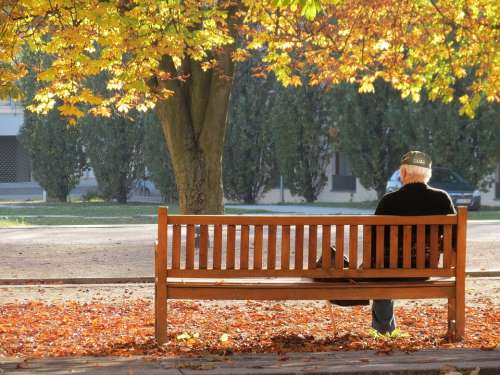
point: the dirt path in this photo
(127, 250)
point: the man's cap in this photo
(417, 158)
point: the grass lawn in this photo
(95, 213)
(486, 212)
(365, 204)
(85, 213)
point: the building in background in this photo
(15, 165)
(343, 186)
(16, 182)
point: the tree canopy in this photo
(412, 44)
(178, 56)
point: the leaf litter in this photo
(37, 329)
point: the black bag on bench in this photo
(344, 303)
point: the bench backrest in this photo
(227, 246)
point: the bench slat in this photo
(353, 247)
(379, 252)
(190, 247)
(325, 246)
(203, 247)
(367, 246)
(312, 220)
(434, 245)
(217, 246)
(176, 247)
(310, 291)
(244, 239)
(318, 273)
(285, 247)
(393, 251)
(447, 246)
(420, 246)
(271, 247)
(299, 247)
(231, 240)
(312, 247)
(407, 246)
(257, 259)
(339, 244)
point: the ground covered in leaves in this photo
(39, 329)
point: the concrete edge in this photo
(369, 362)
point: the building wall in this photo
(327, 195)
(361, 194)
(492, 196)
(14, 162)
(341, 186)
(11, 118)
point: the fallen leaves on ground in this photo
(39, 329)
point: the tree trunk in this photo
(122, 193)
(56, 198)
(194, 123)
(310, 198)
(60, 192)
(380, 192)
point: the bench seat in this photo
(276, 289)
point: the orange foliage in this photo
(37, 329)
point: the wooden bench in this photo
(245, 247)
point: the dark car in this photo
(461, 192)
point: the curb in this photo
(424, 362)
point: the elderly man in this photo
(414, 198)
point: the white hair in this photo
(415, 173)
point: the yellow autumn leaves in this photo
(413, 44)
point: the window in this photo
(342, 178)
(14, 162)
(8, 159)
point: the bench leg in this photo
(452, 319)
(161, 321)
(160, 314)
(161, 278)
(460, 317)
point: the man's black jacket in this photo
(414, 199)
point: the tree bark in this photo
(56, 198)
(122, 193)
(194, 123)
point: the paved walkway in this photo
(308, 210)
(127, 250)
(362, 362)
(305, 210)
